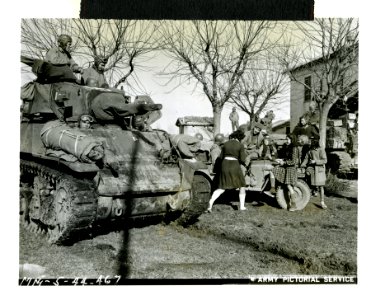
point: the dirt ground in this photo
(226, 244)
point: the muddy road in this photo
(226, 244)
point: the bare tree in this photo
(214, 54)
(125, 43)
(331, 51)
(261, 87)
(39, 35)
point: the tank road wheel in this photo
(34, 208)
(74, 210)
(200, 196)
(62, 207)
(302, 196)
(25, 196)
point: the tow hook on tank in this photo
(171, 204)
(118, 207)
(104, 207)
(117, 211)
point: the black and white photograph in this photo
(188, 152)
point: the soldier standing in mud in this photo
(234, 119)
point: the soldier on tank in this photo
(85, 121)
(61, 56)
(113, 107)
(144, 121)
(58, 66)
(96, 72)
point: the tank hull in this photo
(65, 193)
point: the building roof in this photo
(194, 121)
(280, 123)
(317, 61)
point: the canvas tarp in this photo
(187, 145)
(58, 136)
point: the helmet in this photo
(86, 117)
(85, 121)
(100, 59)
(64, 39)
(199, 136)
(219, 138)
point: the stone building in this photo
(310, 74)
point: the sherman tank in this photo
(75, 177)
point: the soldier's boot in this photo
(149, 107)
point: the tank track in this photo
(201, 193)
(59, 206)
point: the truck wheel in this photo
(302, 193)
(200, 196)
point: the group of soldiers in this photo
(60, 55)
(301, 150)
(59, 66)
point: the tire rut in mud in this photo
(307, 263)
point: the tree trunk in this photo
(217, 113)
(252, 121)
(323, 124)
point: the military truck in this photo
(341, 147)
(66, 193)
